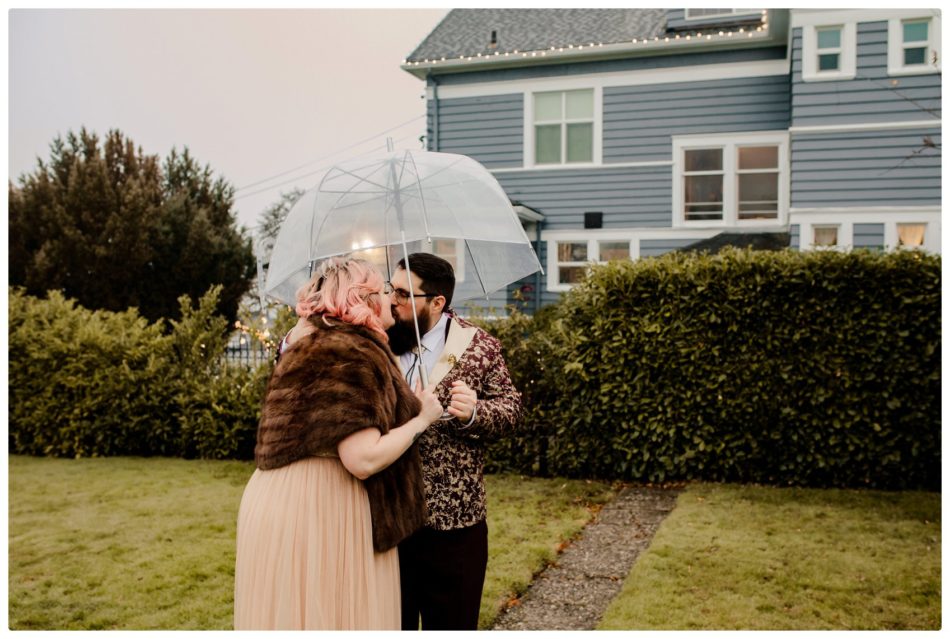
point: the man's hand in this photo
(462, 405)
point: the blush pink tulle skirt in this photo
(305, 558)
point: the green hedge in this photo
(96, 383)
(805, 368)
(817, 368)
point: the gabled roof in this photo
(467, 32)
(463, 40)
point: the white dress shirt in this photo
(433, 342)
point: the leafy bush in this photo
(87, 382)
(219, 418)
(531, 346)
(818, 368)
(97, 383)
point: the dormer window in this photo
(915, 41)
(828, 52)
(913, 45)
(829, 49)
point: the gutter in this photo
(435, 110)
(527, 214)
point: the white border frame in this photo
(729, 143)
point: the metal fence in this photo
(245, 352)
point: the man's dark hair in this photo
(437, 275)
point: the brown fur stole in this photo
(330, 384)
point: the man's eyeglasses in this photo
(402, 296)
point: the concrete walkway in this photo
(574, 592)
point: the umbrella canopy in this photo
(384, 206)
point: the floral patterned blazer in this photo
(453, 454)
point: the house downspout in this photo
(537, 274)
(435, 111)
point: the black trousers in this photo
(442, 573)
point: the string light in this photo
(656, 39)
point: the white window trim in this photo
(846, 218)
(593, 255)
(598, 132)
(643, 77)
(840, 230)
(593, 236)
(895, 48)
(819, 17)
(715, 16)
(729, 142)
(848, 60)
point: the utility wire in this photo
(372, 137)
(315, 171)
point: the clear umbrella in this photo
(389, 205)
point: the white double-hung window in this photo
(829, 52)
(828, 48)
(731, 180)
(913, 45)
(564, 127)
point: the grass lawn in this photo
(756, 558)
(133, 544)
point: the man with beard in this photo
(442, 566)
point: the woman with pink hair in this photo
(338, 481)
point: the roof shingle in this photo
(468, 31)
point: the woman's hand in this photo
(431, 406)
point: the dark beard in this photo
(402, 334)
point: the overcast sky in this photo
(252, 93)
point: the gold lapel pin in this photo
(453, 360)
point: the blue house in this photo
(626, 133)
